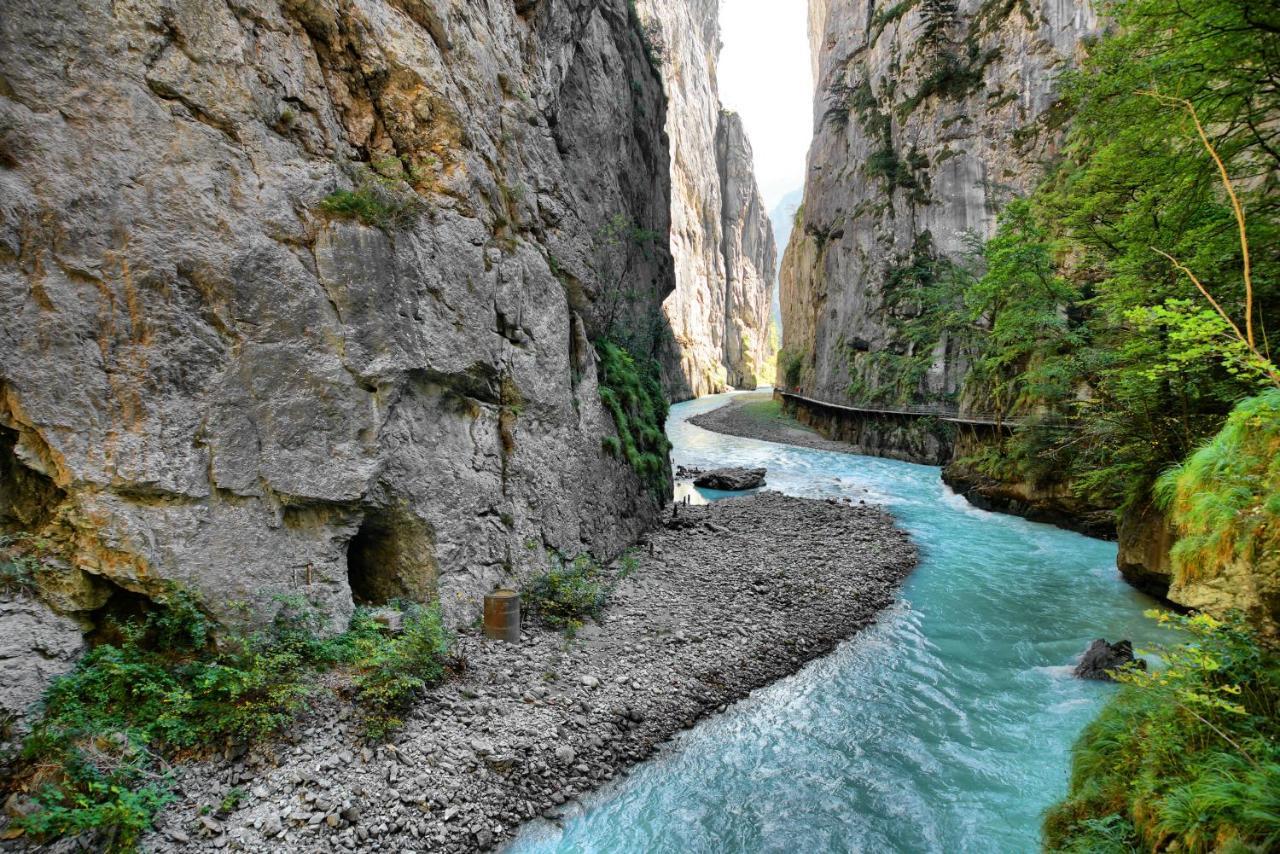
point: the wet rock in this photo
(731, 479)
(1102, 657)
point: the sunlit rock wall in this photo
(209, 380)
(926, 121)
(719, 261)
(750, 261)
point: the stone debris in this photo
(528, 728)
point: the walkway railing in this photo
(940, 411)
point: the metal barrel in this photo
(502, 615)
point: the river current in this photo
(944, 727)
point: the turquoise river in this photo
(945, 727)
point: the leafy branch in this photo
(1247, 335)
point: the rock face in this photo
(720, 240)
(1145, 540)
(36, 645)
(1051, 501)
(297, 297)
(927, 119)
(731, 480)
(1101, 658)
(750, 261)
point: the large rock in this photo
(209, 380)
(731, 479)
(1101, 659)
(1145, 540)
(36, 645)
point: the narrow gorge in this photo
(639, 425)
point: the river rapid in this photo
(945, 727)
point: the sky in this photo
(764, 76)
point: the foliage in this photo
(1091, 318)
(573, 591)
(171, 687)
(568, 593)
(1185, 758)
(632, 392)
(1224, 501)
(382, 197)
(21, 561)
(922, 292)
(651, 38)
(791, 367)
(619, 246)
(1017, 304)
(394, 668)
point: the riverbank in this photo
(757, 415)
(732, 596)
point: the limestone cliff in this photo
(720, 259)
(929, 115)
(297, 297)
(750, 261)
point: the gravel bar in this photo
(736, 419)
(727, 598)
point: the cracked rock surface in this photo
(210, 378)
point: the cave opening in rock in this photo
(392, 556)
(27, 497)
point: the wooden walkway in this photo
(942, 412)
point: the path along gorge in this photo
(945, 727)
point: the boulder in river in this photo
(1101, 658)
(731, 479)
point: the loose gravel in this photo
(726, 598)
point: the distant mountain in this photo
(782, 217)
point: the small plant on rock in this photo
(567, 594)
(20, 561)
(381, 199)
(395, 667)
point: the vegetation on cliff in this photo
(1131, 294)
(1081, 304)
(1224, 503)
(631, 390)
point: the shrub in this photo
(1186, 758)
(395, 668)
(566, 595)
(378, 200)
(1225, 500)
(170, 688)
(791, 362)
(20, 561)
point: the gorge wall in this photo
(929, 115)
(297, 298)
(720, 239)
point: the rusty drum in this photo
(502, 615)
